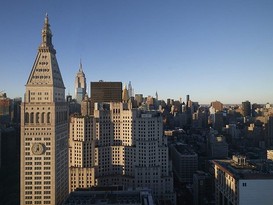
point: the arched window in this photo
(32, 117)
(48, 117)
(26, 117)
(37, 117)
(43, 118)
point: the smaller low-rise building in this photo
(203, 188)
(238, 182)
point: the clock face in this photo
(38, 148)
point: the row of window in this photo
(38, 202)
(38, 117)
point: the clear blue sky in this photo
(210, 49)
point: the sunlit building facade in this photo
(239, 183)
(124, 146)
(44, 130)
(81, 152)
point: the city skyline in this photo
(209, 50)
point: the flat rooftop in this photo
(184, 149)
(114, 197)
(245, 171)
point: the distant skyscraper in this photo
(44, 130)
(125, 96)
(139, 99)
(246, 108)
(6, 109)
(187, 99)
(218, 106)
(80, 85)
(86, 106)
(17, 109)
(130, 90)
(105, 92)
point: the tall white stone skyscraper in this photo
(120, 145)
(80, 85)
(44, 130)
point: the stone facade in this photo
(44, 130)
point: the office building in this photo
(125, 95)
(81, 152)
(80, 85)
(185, 162)
(130, 90)
(6, 109)
(9, 165)
(238, 182)
(139, 99)
(16, 110)
(44, 130)
(105, 92)
(86, 106)
(217, 146)
(121, 145)
(246, 108)
(218, 106)
(203, 188)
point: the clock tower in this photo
(44, 130)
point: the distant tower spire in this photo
(125, 96)
(80, 84)
(156, 95)
(80, 70)
(130, 90)
(46, 44)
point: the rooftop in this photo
(109, 196)
(243, 170)
(184, 149)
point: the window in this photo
(32, 117)
(37, 117)
(26, 117)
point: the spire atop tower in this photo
(47, 36)
(125, 96)
(46, 18)
(46, 62)
(130, 90)
(80, 69)
(80, 84)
